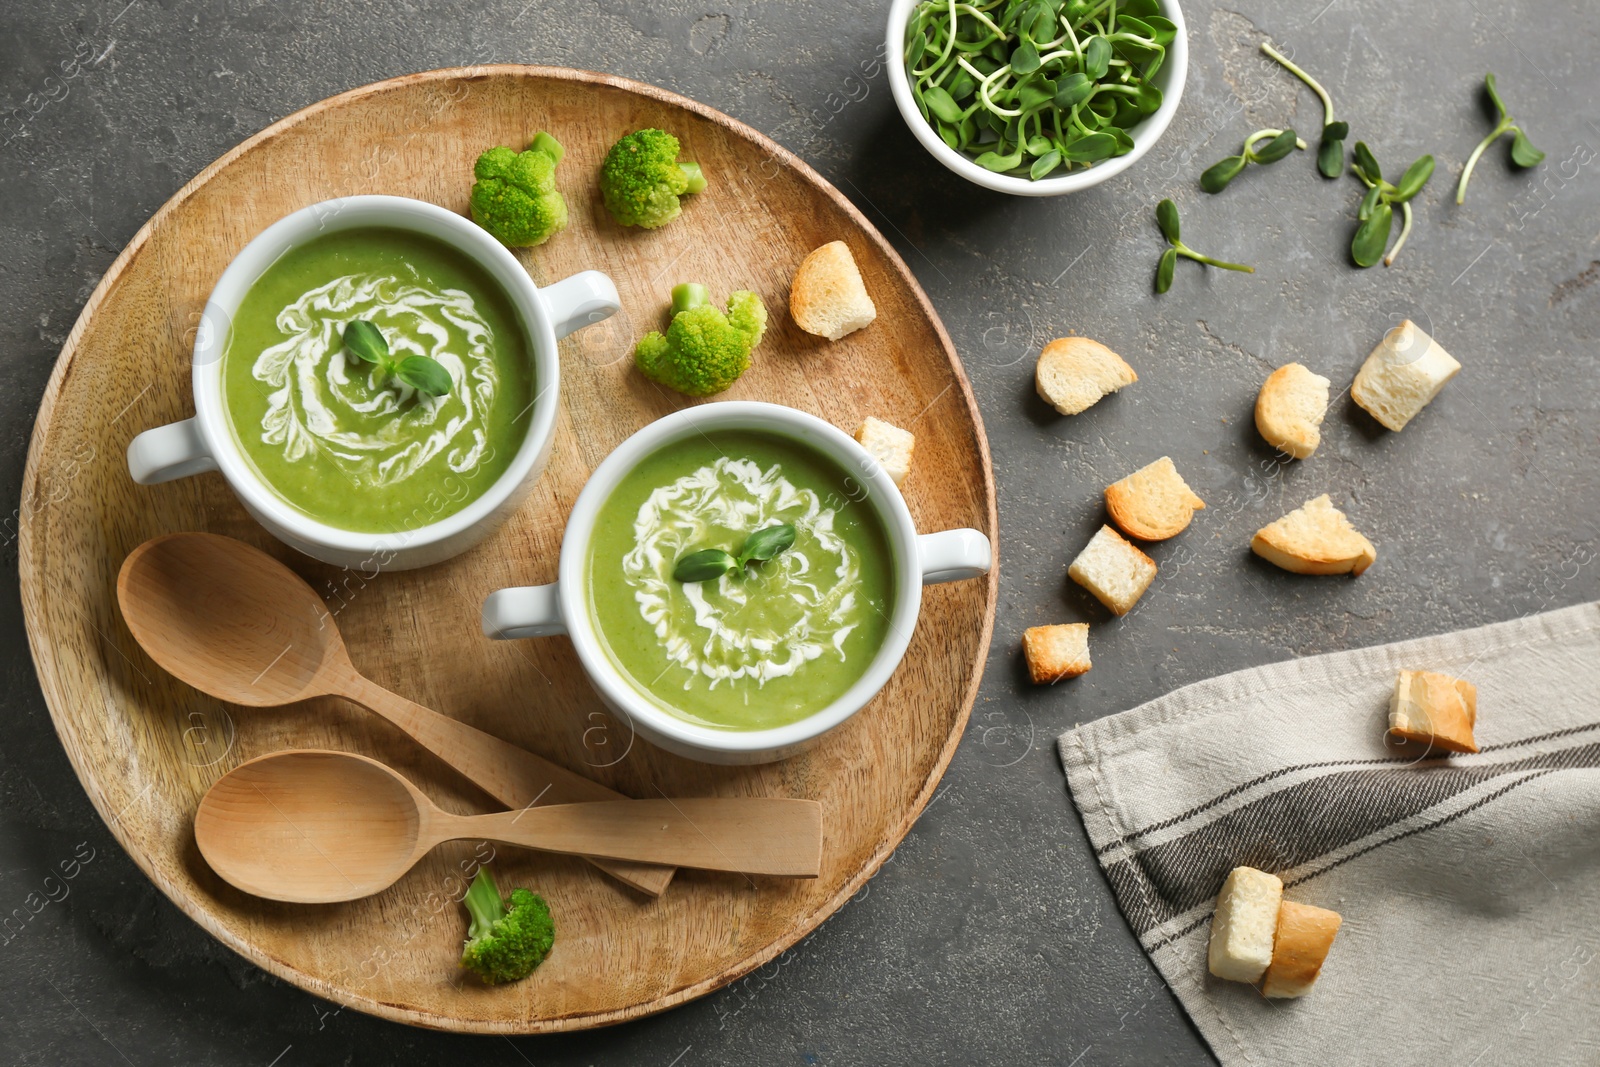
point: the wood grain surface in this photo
(146, 746)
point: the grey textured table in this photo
(991, 936)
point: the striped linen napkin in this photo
(1469, 885)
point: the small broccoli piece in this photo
(704, 350)
(507, 938)
(642, 179)
(515, 197)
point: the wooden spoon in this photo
(315, 827)
(233, 622)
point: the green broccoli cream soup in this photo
(339, 439)
(763, 645)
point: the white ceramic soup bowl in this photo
(563, 607)
(1169, 79)
(206, 442)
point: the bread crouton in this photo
(1315, 538)
(1245, 924)
(889, 445)
(1289, 410)
(1073, 373)
(1113, 570)
(1304, 935)
(828, 297)
(1153, 503)
(1434, 709)
(1056, 652)
(1400, 377)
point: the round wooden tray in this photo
(146, 747)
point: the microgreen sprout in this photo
(1218, 175)
(1377, 206)
(1035, 86)
(1523, 154)
(709, 564)
(1167, 219)
(365, 343)
(1330, 151)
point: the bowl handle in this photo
(951, 555)
(585, 298)
(525, 611)
(167, 452)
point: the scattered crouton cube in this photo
(1056, 652)
(1113, 570)
(1153, 503)
(1315, 538)
(1245, 925)
(1304, 935)
(1434, 709)
(889, 445)
(1400, 377)
(1073, 373)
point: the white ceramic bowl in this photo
(1169, 79)
(206, 442)
(562, 608)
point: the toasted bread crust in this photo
(1290, 408)
(1153, 503)
(1056, 652)
(1315, 538)
(1304, 935)
(1434, 709)
(828, 297)
(1073, 373)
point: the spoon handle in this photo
(749, 835)
(514, 776)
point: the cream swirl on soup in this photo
(767, 622)
(321, 401)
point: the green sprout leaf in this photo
(1073, 90)
(706, 565)
(1330, 152)
(1167, 219)
(1090, 148)
(1523, 154)
(424, 375)
(1169, 263)
(1044, 165)
(1369, 202)
(1097, 57)
(940, 103)
(1494, 94)
(1412, 181)
(766, 543)
(365, 342)
(1368, 163)
(1216, 177)
(1024, 59)
(1373, 236)
(1277, 148)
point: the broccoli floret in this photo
(507, 938)
(515, 197)
(704, 350)
(642, 179)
